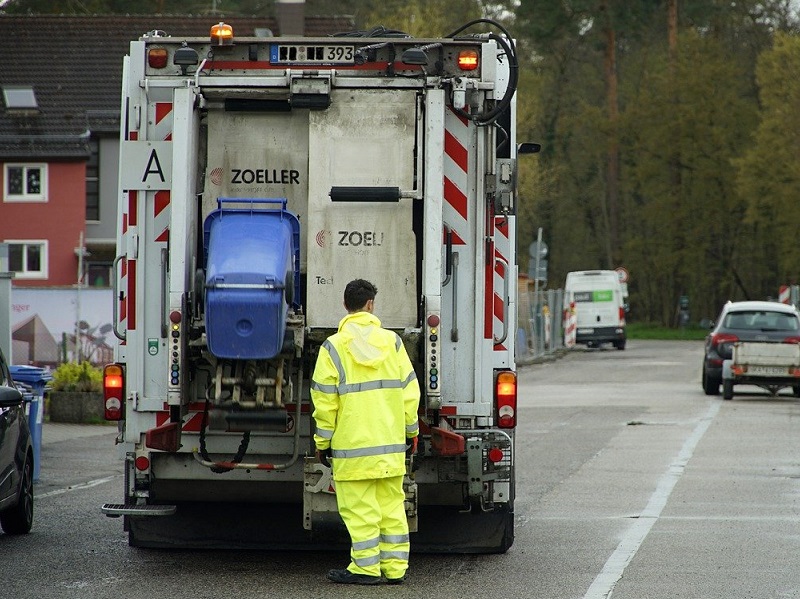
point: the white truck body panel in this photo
(364, 139)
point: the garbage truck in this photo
(257, 177)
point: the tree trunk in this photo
(612, 152)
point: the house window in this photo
(20, 99)
(93, 181)
(27, 258)
(25, 183)
(98, 274)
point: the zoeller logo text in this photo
(368, 238)
(247, 176)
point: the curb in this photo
(543, 359)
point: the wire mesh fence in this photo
(541, 324)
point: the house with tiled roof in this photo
(60, 79)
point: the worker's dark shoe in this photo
(347, 577)
(400, 580)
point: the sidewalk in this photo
(54, 432)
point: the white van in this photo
(599, 301)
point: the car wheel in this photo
(710, 385)
(727, 389)
(796, 390)
(18, 520)
(619, 345)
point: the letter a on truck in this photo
(257, 177)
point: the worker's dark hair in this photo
(357, 293)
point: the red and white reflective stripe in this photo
(456, 166)
(162, 121)
(784, 294)
(161, 215)
(502, 258)
(570, 325)
(127, 308)
(161, 129)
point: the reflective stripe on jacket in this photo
(366, 396)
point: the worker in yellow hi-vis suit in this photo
(366, 397)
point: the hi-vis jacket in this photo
(366, 396)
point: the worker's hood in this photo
(364, 340)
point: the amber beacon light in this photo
(222, 34)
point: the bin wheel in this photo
(18, 520)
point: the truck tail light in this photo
(157, 58)
(505, 396)
(793, 339)
(621, 316)
(113, 391)
(468, 60)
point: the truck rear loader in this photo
(257, 177)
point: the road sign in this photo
(622, 273)
(541, 274)
(537, 248)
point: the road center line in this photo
(86, 485)
(603, 585)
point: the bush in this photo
(77, 377)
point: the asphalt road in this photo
(631, 483)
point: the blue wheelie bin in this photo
(36, 378)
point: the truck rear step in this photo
(115, 510)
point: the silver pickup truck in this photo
(771, 366)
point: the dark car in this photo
(769, 322)
(16, 458)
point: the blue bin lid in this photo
(29, 374)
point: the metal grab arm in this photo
(264, 466)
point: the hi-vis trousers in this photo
(375, 517)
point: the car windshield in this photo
(761, 320)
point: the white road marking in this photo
(603, 585)
(86, 485)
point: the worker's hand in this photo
(324, 456)
(411, 445)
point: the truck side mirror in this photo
(528, 147)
